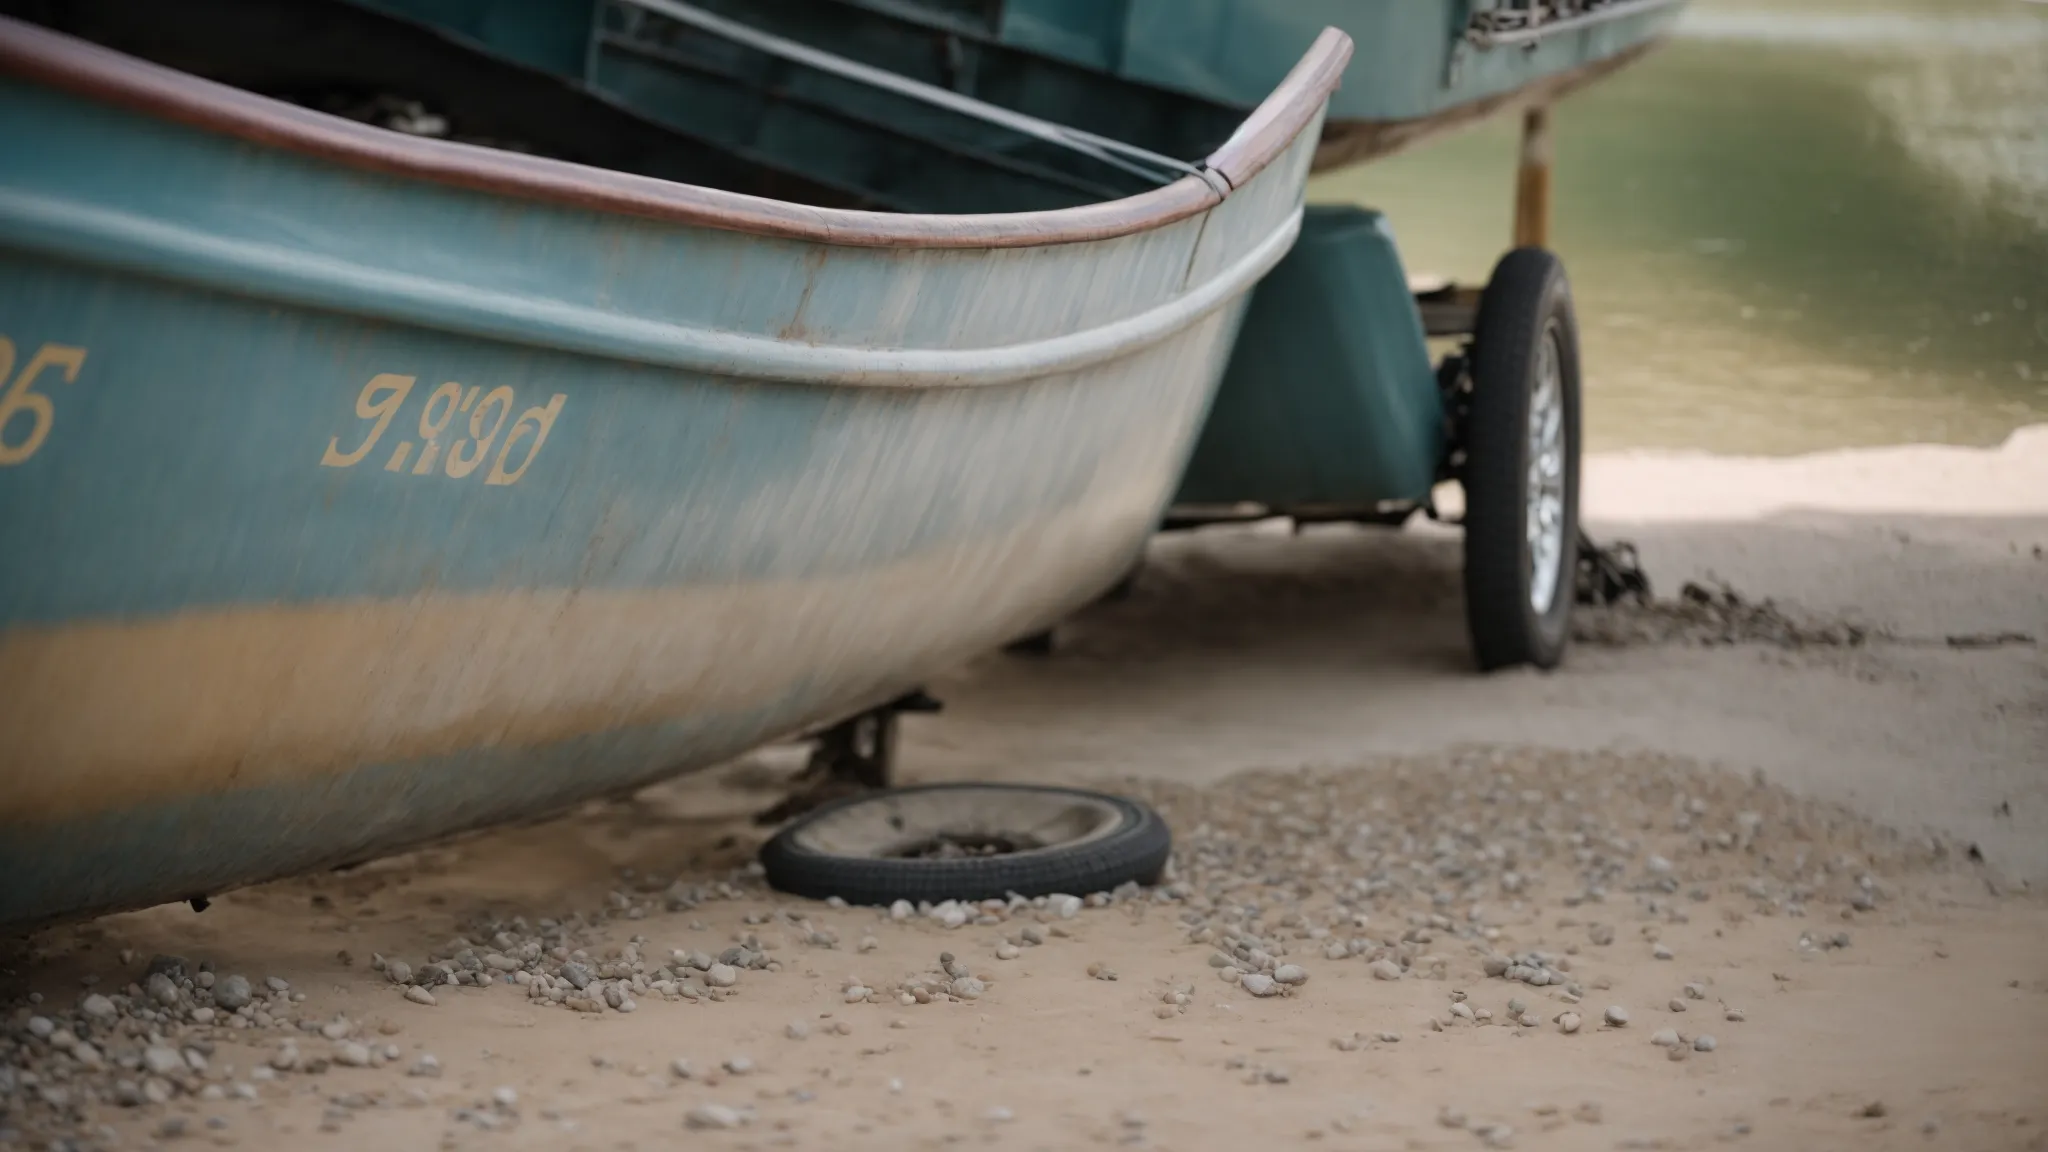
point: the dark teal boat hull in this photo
(1330, 400)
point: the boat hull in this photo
(340, 510)
(1414, 76)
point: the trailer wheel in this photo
(1521, 466)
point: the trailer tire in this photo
(1521, 468)
(1034, 841)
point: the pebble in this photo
(1661, 952)
(1695, 992)
(999, 1115)
(1496, 1136)
(1735, 1016)
(233, 993)
(420, 995)
(428, 1065)
(1259, 984)
(1665, 1038)
(1568, 1022)
(1703, 1043)
(722, 976)
(1676, 1005)
(679, 1068)
(352, 1054)
(276, 984)
(162, 1061)
(1290, 974)
(739, 1065)
(797, 1030)
(98, 1007)
(971, 987)
(1008, 951)
(856, 993)
(1065, 907)
(1616, 1015)
(712, 1116)
(1385, 970)
(1462, 1010)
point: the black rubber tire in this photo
(1527, 299)
(1135, 849)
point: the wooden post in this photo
(1532, 181)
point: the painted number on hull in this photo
(448, 412)
(21, 400)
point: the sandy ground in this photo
(1841, 844)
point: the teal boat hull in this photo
(1330, 401)
(343, 507)
(1415, 74)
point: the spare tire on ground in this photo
(942, 842)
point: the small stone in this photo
(1616, 1016)
(1735, 1016)
(161, 989)
(1703, 1043)
(1496, 1136)
(505, 1097)
(285, 1058)
(797, 1030)
(399, 971)
(1676, 1005)
(162, 1061)
(1661, 952)
(856, 993)
(352, 1054)
(1462, 1010)
(712, 1116)
(98, 1007)
(420, 995)
(1293, 974)
(999, 1115)
(739, 1065)
(722, 976)
(1568, 1022)
(1065, 907)
(971, 987)
(869, 944)
(1665, 1038)
(276, 984)
(1008, 951)
(233, 992)
(427, 1065)
(1259, 984)
(1449, 1117)
(1874, 1110)
(1277, 1075)
(1695, 992)
(1384, 969)
(679, 1068)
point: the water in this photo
(1803, 224)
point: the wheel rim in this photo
(1543, 508)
